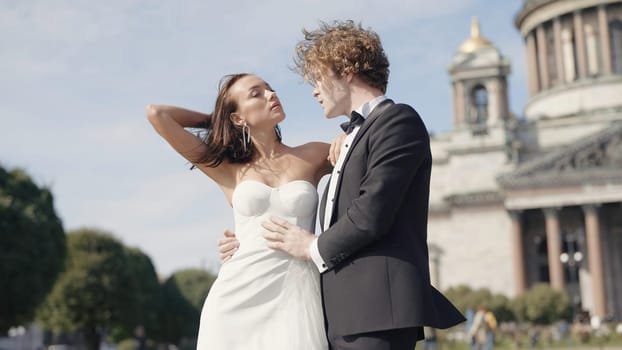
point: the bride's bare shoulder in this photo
(312, 149)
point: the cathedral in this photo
(520, 200)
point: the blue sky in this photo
(75, 77)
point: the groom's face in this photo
(333, 93)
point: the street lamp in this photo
(571, 258)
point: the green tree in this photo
(147, 290)
(542, 304)
(501, 307)
(32, 247)
(183, 295)
(459, 296)
(95, 292)
(466, 298)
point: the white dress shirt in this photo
(363, 110)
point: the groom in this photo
(372, 253)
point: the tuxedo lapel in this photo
(364, 127)
(323, 205)
(371, 118)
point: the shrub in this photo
(466, 298)
(542, 305)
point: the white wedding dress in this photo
(263, 298)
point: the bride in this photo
(262, 298)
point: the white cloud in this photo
(77, 75)
(232, 34)
(177, 211)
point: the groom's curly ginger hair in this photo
(342, 47)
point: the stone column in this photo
(605, 45)
(591, 46)
(494, 102)
(554, 247)
(580, 44)
(454, 89)
(459, 104)
(542, 61)
(532, 65)
(568, 56)
(559, 60)
(595, 259)
(504, 99)
(518, 253)
(435, 265)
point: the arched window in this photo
(615, 30)
(480, 102)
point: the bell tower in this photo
(479, 78)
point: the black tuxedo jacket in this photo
(376, 246)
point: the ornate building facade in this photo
(518, 201)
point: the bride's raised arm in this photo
(170, 122)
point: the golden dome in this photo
(475, 41)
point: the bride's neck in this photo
(267, 149)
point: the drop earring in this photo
(246, 136)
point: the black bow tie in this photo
(355, 120)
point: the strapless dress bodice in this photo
(254, 202)
(263, 298)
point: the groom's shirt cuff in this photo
(314, 251)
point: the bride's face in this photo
(258, 104)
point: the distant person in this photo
(430, 339)
(141, 338)
(481, 332)
(491, 327)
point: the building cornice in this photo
(475, 198)
(545, 10)
(528, 7)
(594, 159)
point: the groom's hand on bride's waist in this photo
(289, 238)
(227, 246)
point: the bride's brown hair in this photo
(223, 138)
